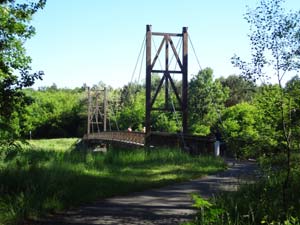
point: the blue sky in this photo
(87, 41)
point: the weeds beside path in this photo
(168, 205)
(53, 175)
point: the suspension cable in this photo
(209, 91)
(138, 58)
(195, 52)
(141, 65)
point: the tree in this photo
(206, 101)
(132, 113)
(240, 89)
(292, 89)
(274, 40)
(15, 29)
(54, 113)
(240, 129)
(275, 52)
(128, 93)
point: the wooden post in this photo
(97, 112)
(89, 113)
(148, 84)
(184, 80)
(105, 109)
(166, 73)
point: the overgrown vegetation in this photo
(267, 127)
(255, 203)
(15, 69)
(52, 175)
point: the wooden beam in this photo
(166, 69)
(89, 112)
(157, 91)
(174, 89)
(158, 52)
(148, 84)
(175, 53)
(185, 80)
(105, 109)
(163, 71)
(163, 34)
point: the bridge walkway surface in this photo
(134, 138)
(169, 205)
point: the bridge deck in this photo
(196, 144)
(134, 138)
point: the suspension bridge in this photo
(177, 103)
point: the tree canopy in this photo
(240, 89)
(15, 69)
(275, 52)
(206, 100)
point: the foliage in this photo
(292, 90)
(275, 49)
(255, 128)
(275, 52)
(267, 100)
(207, 212)
(51, 175)
(129, 92)
(54, 113)
(15, 30)
(274, 41)
(206, 100)
(133, 112)
(241, 129)
(240, 89)
(166, 122)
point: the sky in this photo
(87, 41)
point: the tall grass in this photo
(52, 175)
(255, 203)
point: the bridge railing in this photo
(121, 136)
(195, 144)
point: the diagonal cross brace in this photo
(166, 39)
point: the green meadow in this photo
(47, 176)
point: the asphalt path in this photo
(168, 205)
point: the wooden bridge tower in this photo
(96, 121)
(166, 78)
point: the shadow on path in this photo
(169, 205)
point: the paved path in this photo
(168, 205)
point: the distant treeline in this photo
(233, 108)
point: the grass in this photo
(255, 203)
(52, 175)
